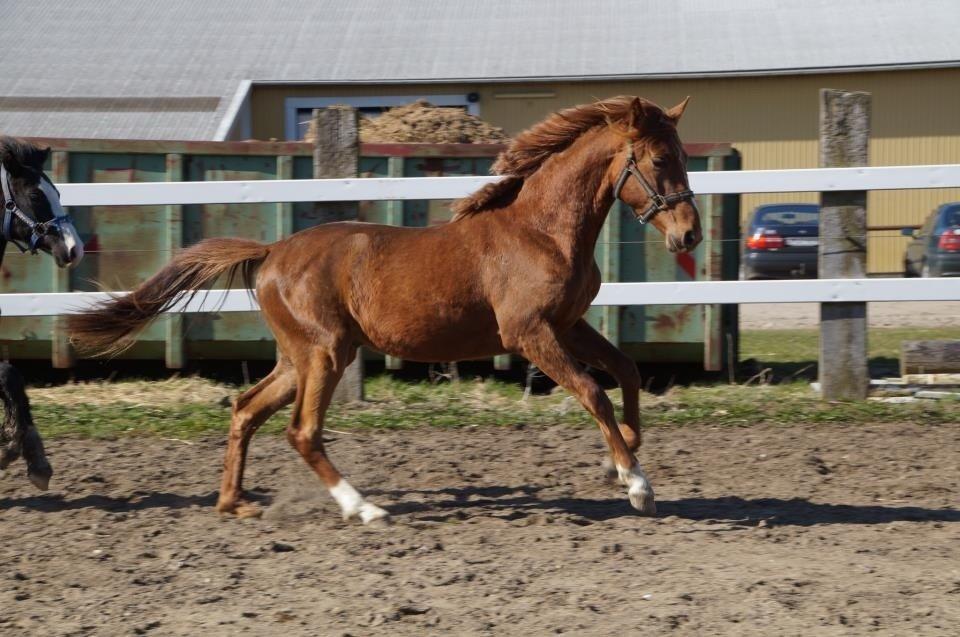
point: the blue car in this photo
(781, 242)
(935, 249)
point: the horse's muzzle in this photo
(685, 242)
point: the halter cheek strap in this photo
(657, 202)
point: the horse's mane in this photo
(15, 153)
(527, 152)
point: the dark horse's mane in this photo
(531, 148)
(16, 152)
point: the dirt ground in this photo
(759, 316)
(827, 530)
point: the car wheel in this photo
(925, 270)
(908, 273)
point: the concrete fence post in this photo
(844, 140)
(336, 154)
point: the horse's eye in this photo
(659, 162)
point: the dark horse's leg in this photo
(17, 433)
(589, 346)
(541, 346)
(251, 409)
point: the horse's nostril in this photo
(689, 238)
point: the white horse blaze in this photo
(71, 238)
(638, 488)
(353, 505)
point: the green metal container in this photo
(126, 244)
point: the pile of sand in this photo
(422, 122)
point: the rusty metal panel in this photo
(428, 213)
(677, 333)
(377, 211)
(26, 337)
(253, 221)
(303, 216)
(124, 244)
(128, 244)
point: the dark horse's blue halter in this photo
(37, 229)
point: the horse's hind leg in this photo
(39, 470)
(18, 434)
(250, 410)
(589, 346)
(319, 374)
(541, 346)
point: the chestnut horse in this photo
(522, 277)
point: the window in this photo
(950, 218)
(298, 110)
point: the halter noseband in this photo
(11, 210)
(658, 202)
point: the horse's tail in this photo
(111, 327)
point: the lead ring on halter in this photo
(11, 210)
(658, 202)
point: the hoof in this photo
(643, 501)
(247, 510)
(383, 522)
(369, 514)
(239, 508)
(40, 479)
(639, 489)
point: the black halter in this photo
(658, 202)
(11, 209)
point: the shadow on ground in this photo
(746, 511)
(779, 371)
(138, 501)
(519, 502)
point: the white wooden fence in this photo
(376, 189)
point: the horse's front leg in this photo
(541, 346)
(18, 434)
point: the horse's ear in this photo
(641, 111)
(676, 112)
(645, 115)
(10, 162)
(20, 158)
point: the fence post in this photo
(174, 346)
(844, 138)
(336, 154)
(62, 355)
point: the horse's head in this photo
(33, 218)
(650, 175)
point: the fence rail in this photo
(406, 188)
(669, 293)
(661, 293)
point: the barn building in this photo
(212, 70)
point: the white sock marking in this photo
(352, 503)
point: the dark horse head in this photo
(33, 218)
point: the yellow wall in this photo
(772, 121)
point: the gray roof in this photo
(168, 69)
